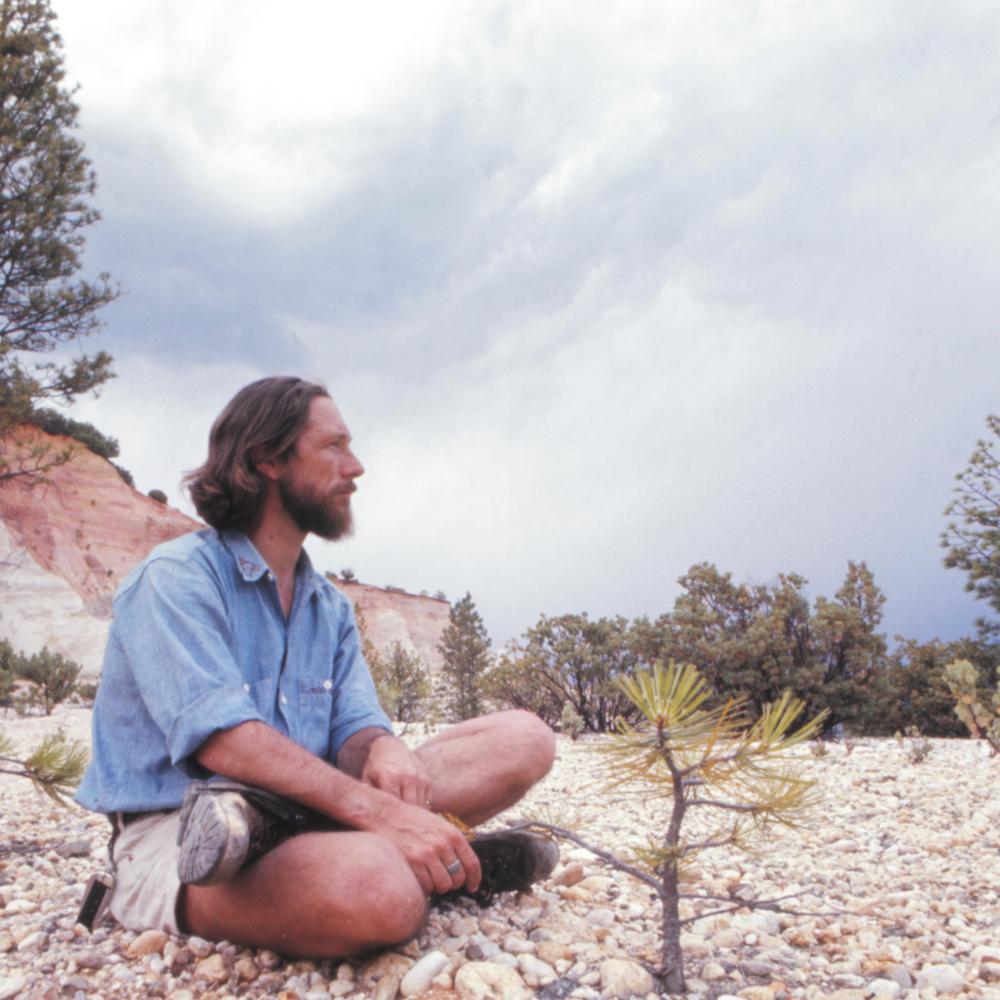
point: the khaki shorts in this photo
(147, 888)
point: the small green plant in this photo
(981, 717)
(158, 495)
(54, 767)
(86, 692)
(347, 575)
(919, 748)
(53, 678)
(570, 723)
(707, 759)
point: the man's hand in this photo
(430, 845)
(394, 768)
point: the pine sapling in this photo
(54, 767)
(699, 758)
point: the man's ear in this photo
(268, 468)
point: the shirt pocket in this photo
(315, 714)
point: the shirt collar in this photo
(251, 566)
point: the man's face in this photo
(316, 483)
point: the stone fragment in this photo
(535, 971)
(601, 917)
(36, 941)
(213, 968)
(90, 959)
(419, 977)
(623, 978)
(74, 849)
(199, 947)
(755, 967)
(943, 978)
(246, 969)
(727, 937)
(570, 874)
(383, 974)
(757, 993)
(147, 943)
(181, 994)
(885, 988)
(268, 959)
(6, 943)
(711, 971)
(490, 981)
(900, 974)
(10, 987)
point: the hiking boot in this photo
(225, 825)
(510, 860)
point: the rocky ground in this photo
(902, 862)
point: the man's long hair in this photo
(261, 423)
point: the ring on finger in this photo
(454, 868)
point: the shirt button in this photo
(328, 684)
(246, 687)
(284, 700)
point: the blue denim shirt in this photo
(199, 643)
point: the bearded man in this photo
(256, 790)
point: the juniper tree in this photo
(401, 682)
(46, 182)
(699, 758)
(465, 648)
(972, 540)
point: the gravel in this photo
(899, 867)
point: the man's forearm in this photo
(257, 754)
(354, 753)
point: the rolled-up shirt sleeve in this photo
(357, 705)
(178, 642)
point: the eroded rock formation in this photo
(66, 544)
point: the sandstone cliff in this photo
(67, 543)
(414, 621)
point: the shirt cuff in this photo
(214, 711)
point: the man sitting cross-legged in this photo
(233, 685)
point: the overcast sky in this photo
(601, 292)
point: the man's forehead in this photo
(325, 418)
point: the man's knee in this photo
(386, 905)
(535, 741)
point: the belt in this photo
(120, 820)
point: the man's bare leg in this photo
(327, 895)
(317, 895)
(481, 767)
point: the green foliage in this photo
(45, 185)
(86, 692)
(570, 723)
(719, 758)
(53, 422)
(975, 705)
(972, 540)
(9, 661)
(402, 683)
(912, 689)
(347, 574)
(158, 495)
(919, 748)
(54, 767)
(753, 641)
(53, 677)
(125, 474)
(568, 660)
(465, 647)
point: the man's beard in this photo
(314, 515)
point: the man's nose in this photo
(354, 466)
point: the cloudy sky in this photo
(601, 292)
